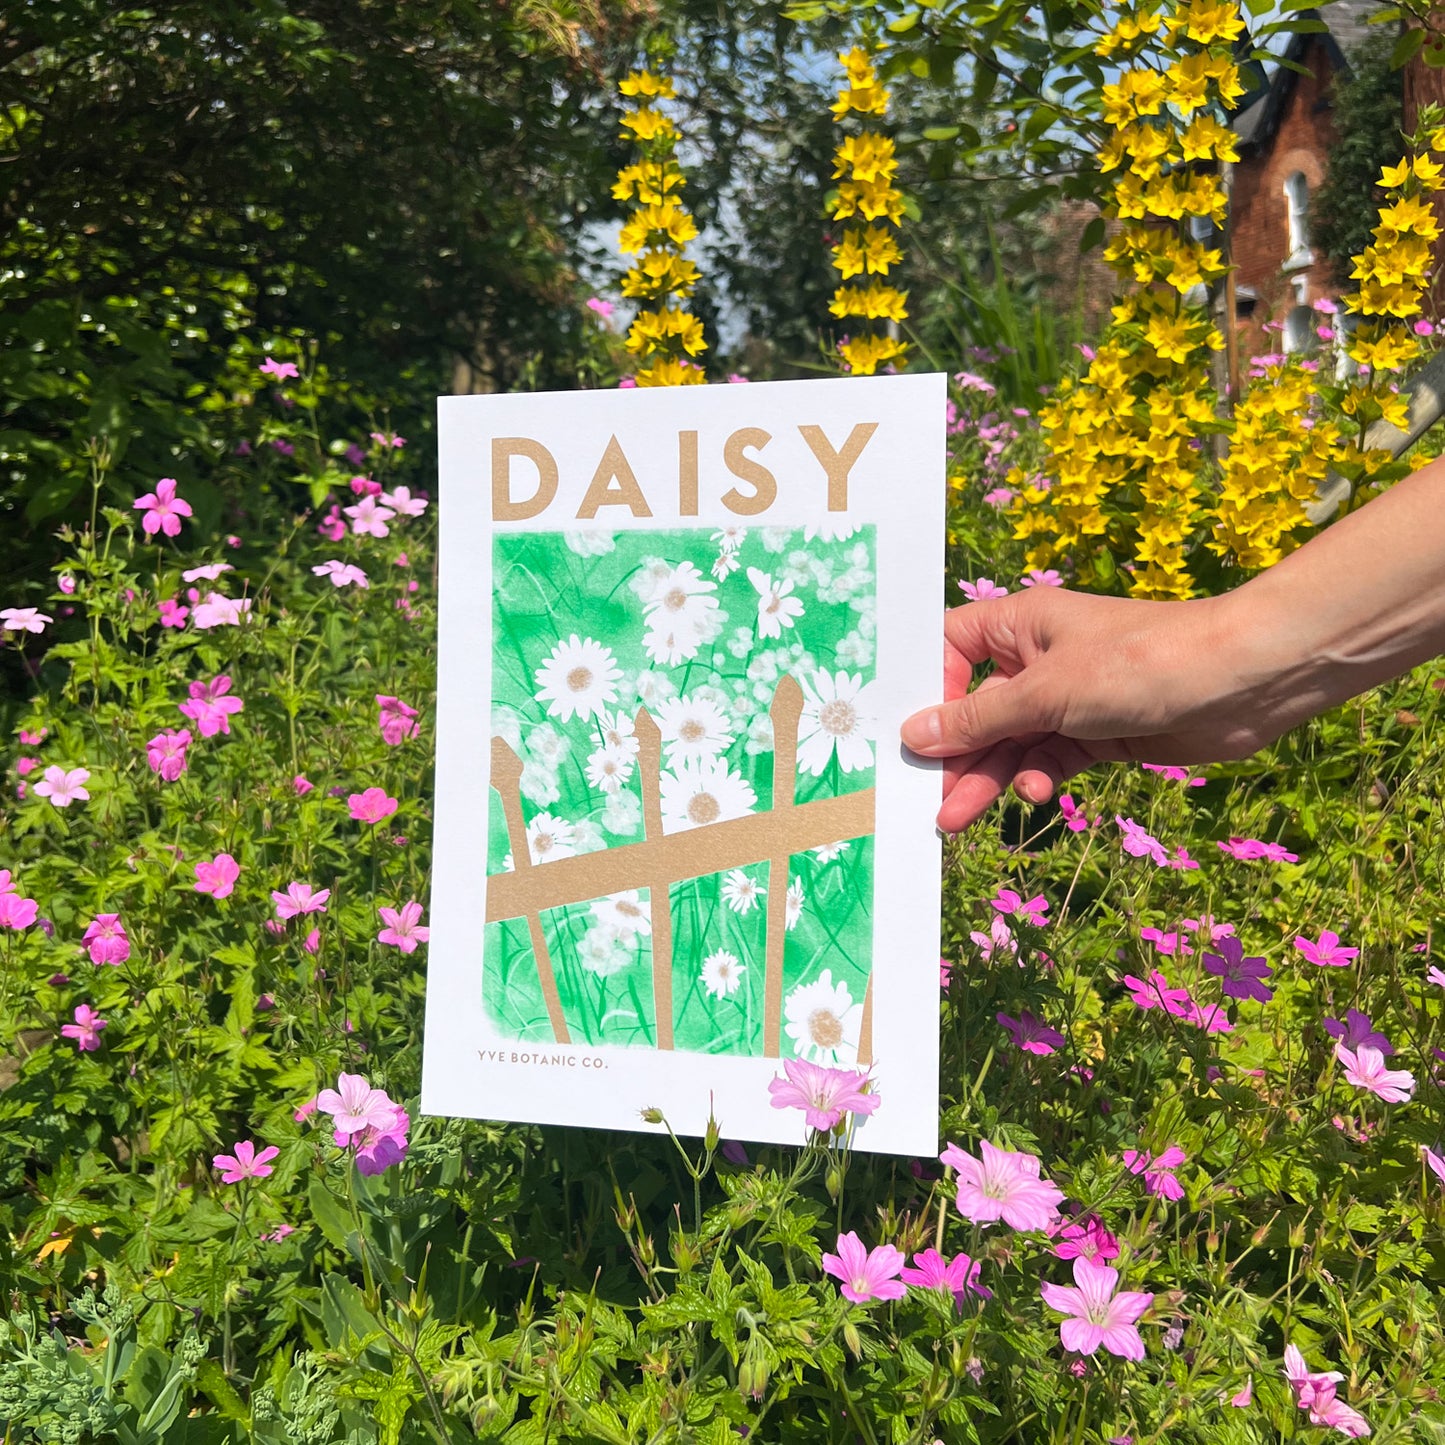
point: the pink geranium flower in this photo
(1250, 850)
(982, 590)
(106, 940)
(331, 527)
(86, 1029)
(218, 877)
(299, 898)
(244, 1162)
(369, 518)
(1003, 1184)
(1356, 1029)
(1041, 577)
(1327, 952)
(371, 806)
(1315, 1392)
(173, 614)
(210, 707)
(1158, 1171)
(999, 938)
(1365, 1068)
(218, 611)
(1243, 977)
(355, 1107)
(1138, 842)
(401, 501)
(1074, 818)
(23, 619)
(163, 509)
(377, 1149)
(15, 912)
(1014, 905)
(207, 573)
(824, 1095)
(1166, 943)
(958, 1275)
(403, 928)
(280, 370)
(600, 307)
(342, 574)
(1436, 1160)
(387, 439)
(1031, 1034)
(166, 753)
(396, 720)
(1245, 1396)
(865, 1274)
(1098, 1315)
(1086, 1239)
(64, 788)
(302, 785)
(1155, 992)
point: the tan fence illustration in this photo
(658, 862)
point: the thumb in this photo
(1005, 708)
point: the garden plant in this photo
(1191, 1177)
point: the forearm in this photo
(1361, 603)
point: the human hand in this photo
(1080, 679)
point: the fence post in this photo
(507, 780)
(659, 888)
(787, 708)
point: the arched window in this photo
(1297, 210)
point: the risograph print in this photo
(708, 676)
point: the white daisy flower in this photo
(601, 953)
(671, 647)
(549, 838)
(539, 784)
(695, 794)
(741, 892)
(823, 1022)
(722, 974)
(776, 608)
(625, 914)
(837, 717)
(829, 851)
(829, 530)
(578, 680)
(680, 601)
(692, 728)
(618, 732)
(726, 564)
(589, 543)
(622, 813)
(609, 768)
(730, 537)
(793, 910)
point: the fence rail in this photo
(659, 861)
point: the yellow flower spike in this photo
(647, 124)
(644, 82)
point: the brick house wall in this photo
(1299, 144)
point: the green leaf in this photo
(1406, 47)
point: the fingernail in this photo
(923, 729)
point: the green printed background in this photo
(588, 626)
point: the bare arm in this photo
(1081, 679)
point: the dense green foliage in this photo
(540, 1284)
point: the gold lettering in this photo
(504, 509)
(764, 485)
(614, 468)
(687, 473)
(837, 464)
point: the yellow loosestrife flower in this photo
(664, 335)
(865, 164)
